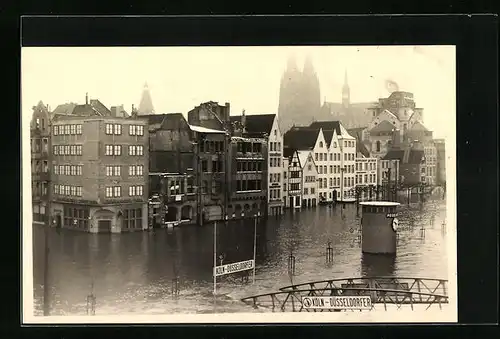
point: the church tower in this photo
(290, 95)
(146, 104)
(311, 94)
(346, 100)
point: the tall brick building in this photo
(100, 171)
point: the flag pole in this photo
(255, 245)
(215, 259)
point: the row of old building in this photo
(103, 170)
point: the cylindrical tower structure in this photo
(378, 227)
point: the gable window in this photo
(321, 144)
(378, 146)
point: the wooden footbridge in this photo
(383, 291)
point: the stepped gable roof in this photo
(300, 138)
(384, 126)
(256, 123)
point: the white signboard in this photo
(233, 268)
(338, 302)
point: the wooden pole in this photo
(46, 292)
(254, 246)
(215, 260)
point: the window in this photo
(331, 182)
(118, 129)
(140, 170)
(78, 149)
(118, 149)
(109, 192)
(56, 130)
(109, 150)
(309, 167)
(67, 169)
(321, 157)
(131, 150)
(79, 191)
(56, 150)
(79, 129)
(67, 190)
(66, 129)
(73, 129)
(73, 170)
(140, 130)
(132, 130)
(131, 191)
(66, 148)
(109, 129)
(331, 169)
(117, 191)
(378, 146)
(321, 144)
(331, 156)
(316, 156)
(140, 150)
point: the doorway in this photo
(104, 226)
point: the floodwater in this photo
(134, 273)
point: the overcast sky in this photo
(180, 78)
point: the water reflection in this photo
(377, 265)
(134, 272)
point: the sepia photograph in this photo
(239, 184)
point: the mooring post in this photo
(91, 301)
(329, 253)
(291, 264)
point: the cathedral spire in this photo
(146, 104)
(345, 92)
(291, 65)
(308, 66)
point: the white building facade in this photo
(275, 170)
(366, 174)
(309, 179)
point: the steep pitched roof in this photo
(361, 148)
(327, 126)
(99, 107)
(256, 123)
(299, 138)
(416, 157)
(418, 126)
(384, 126)
(303, 155)
(64, 108)
(395, 154)
(288, 152)
(406, 156)
(356, 132)
(85, 110)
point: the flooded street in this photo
(133, 273)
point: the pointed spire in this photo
(146, 104)
(308, 65)
(291, 65)
(346, 83)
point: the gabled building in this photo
(309, 179)
(41, 159)
(334, 155)
(411, 164)
(293, 183)
(266, 126)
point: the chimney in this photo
(86, 98)
(243, 121)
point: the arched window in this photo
(378, 146)
(321, 144)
